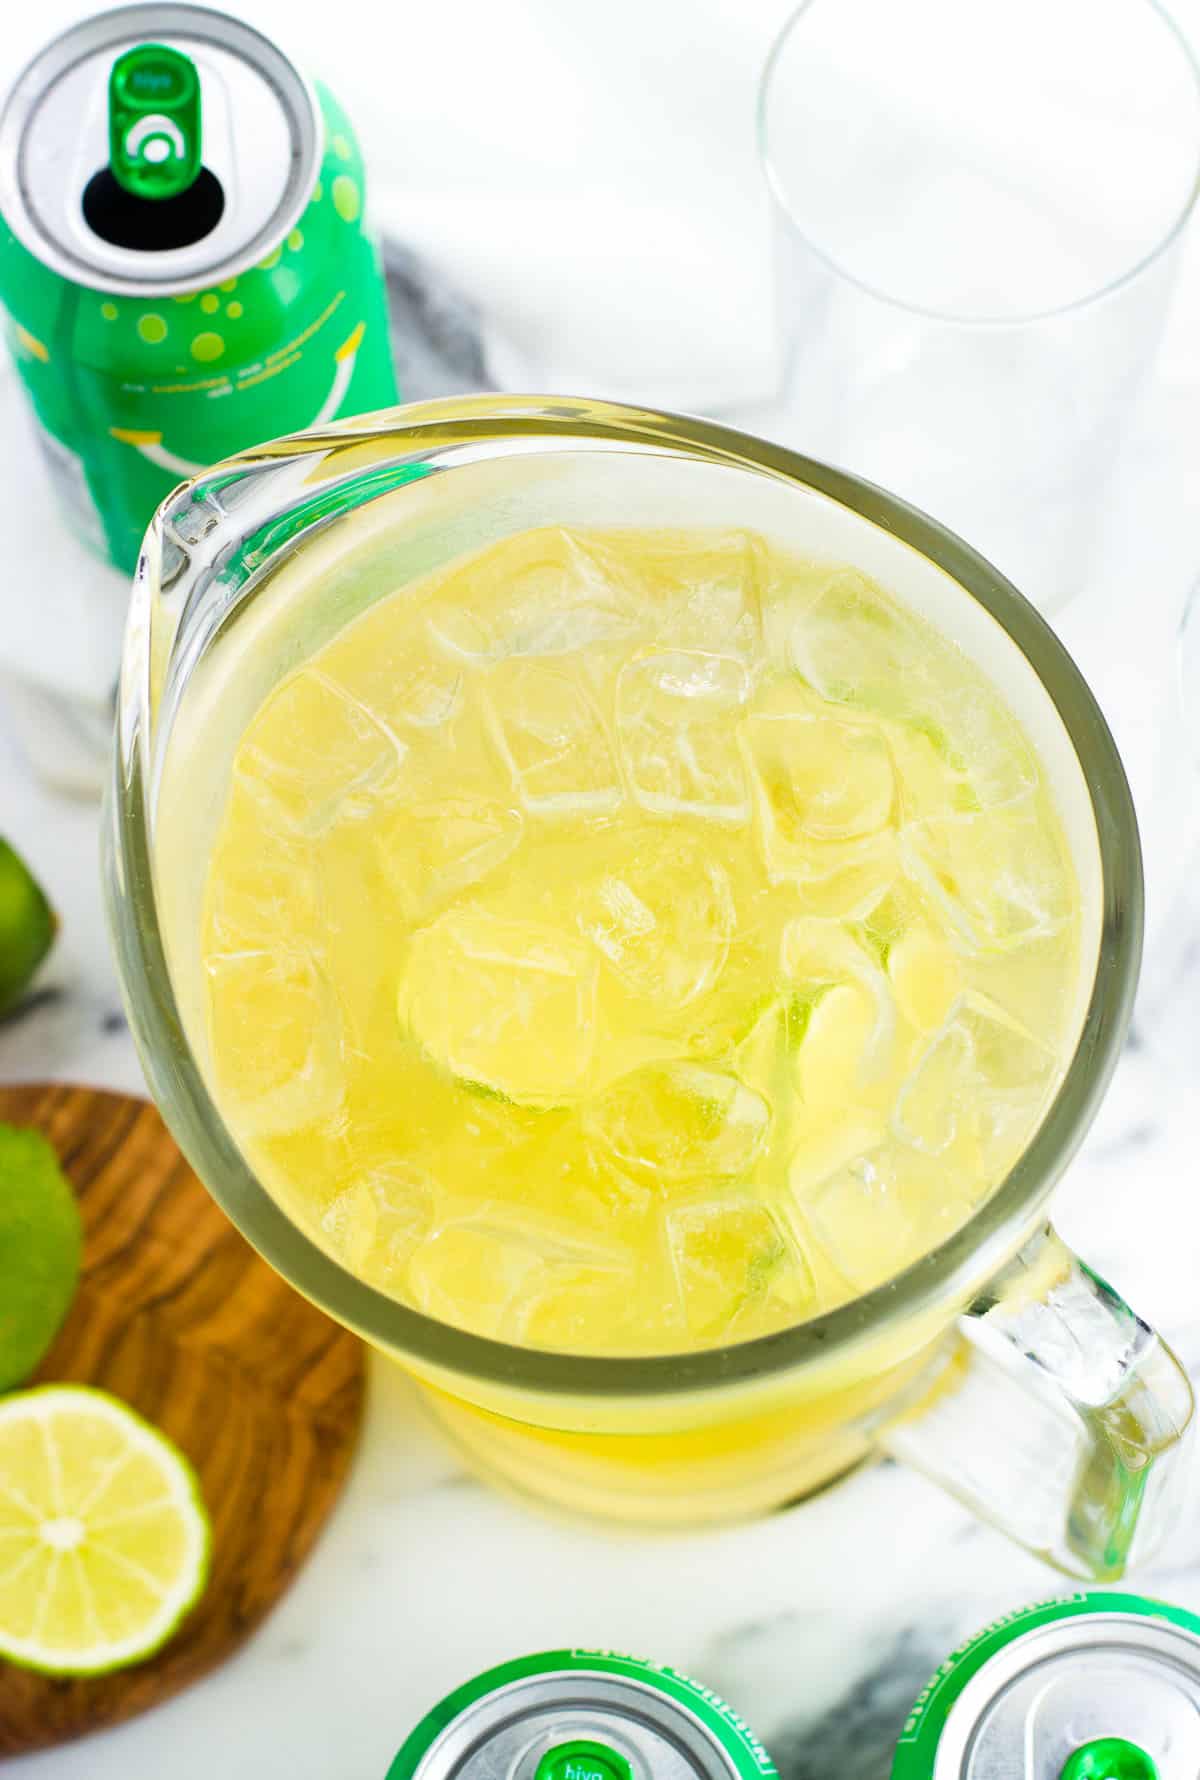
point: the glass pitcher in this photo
(997, 1363)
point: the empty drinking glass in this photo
(977, 215)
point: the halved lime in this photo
(104, 1540)
(41, 1240)
(27, 925)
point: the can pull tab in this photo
(582, 1759)
(154, 121)
(1109, 1758)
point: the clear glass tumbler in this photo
(977, 210)
(997, 1362)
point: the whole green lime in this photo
(41, 1241)
(27, 925)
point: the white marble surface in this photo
(820, 1624)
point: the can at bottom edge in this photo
(728, 1734)
(917, 1752)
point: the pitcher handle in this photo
(1062, 1417)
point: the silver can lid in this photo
(261, 141)
(578, 1726)
(1109, 1694)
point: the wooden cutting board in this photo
(177, 1315)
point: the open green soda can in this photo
(184, 258)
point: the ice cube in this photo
(1016, 1075)
(877, 1212)
(962, 752)
(824, 1147)
(322, 754)
(996, 763)
(266, 888)
(546, 591)
(348, 1225)
(706, 592)
(998, 877)
(553, 739)
(847, 881)
(489, 1273)
(501, 1003)
(275, 1039)
(575, 628)
(1007, 1054)
(680, 1121)
(938, 1095)
(815, 780)
(929, 781)
(861, 1221)
(457, 761)
(579, 1307)
(982, 1077)
(1020, 983)
(675, 719)
(955, 745)
(397, 666)
(377, 1222)
(735, 1270)
(854, 645)
(470, 1276)
(432, 852)
(459, 633)
(419, 685)
(818, 956)
(664, 920)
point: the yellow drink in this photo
(632, 942)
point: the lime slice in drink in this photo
(40, 1244)
(835, 1043)
(926, 976)
(104, 1541)
(27, 926)
(504, 1004)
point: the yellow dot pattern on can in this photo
(342, 149)
(206, 347)
(152, 329)
(109, 311)
(295, 240)
(187, 296)
(318, 193)
(227, 284)
(346, 200)
(210, 303)
(233, 310)
(272, 259)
